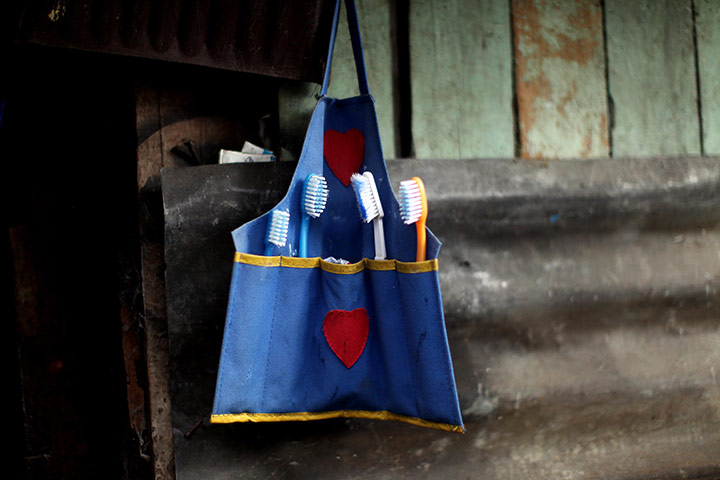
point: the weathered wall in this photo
(534, 78)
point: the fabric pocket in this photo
(307, 339)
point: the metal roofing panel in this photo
(269, 37)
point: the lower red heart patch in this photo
(346, 332)
(344, 153)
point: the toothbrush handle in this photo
(421, 240)
(304, 227)
(268, 250)
(380, 253)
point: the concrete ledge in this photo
(503, 196)
(581, 299)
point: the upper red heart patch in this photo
(344, 152)
(346, 332)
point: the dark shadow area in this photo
(68, 145)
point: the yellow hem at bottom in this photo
(304, 416)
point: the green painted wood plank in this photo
(707, 26)
(296, 101)
(461, 78)
(651, 72)
(560, 79)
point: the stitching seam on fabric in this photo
(411, 357)
(442, 330)
(269, 346)
(231, 311)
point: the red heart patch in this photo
(344, 152)
(346, 332)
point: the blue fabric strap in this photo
(354, 28)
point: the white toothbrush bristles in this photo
(278, 227)
(410, 201)
(316, 195)
(368, 200)
(371, 210)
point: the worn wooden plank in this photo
(560, 79)
(212, 110)
(461, 73)
(707, 26)
(165, 117)
(151, 157)
(296, 100)
(651, 70)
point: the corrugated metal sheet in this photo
(269, 37)
(581, 301)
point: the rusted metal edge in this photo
(279, 39)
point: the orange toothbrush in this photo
(414, 209)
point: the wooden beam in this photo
(651, 71)
(461, 71)
(175, 107)
(707, 28)
(150, 159)
(560, 78)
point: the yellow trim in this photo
(296, 262)
(343, 269)
(305, 416)
(380, 264)
(417, 267)
(258, 260)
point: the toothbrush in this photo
(371, 209)
(312, 203)
(413, 209)
(277, 230)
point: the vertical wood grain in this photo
(461, 78)
(651, 71)
(560, 79)
(150, 159)
(296, 100)
(707, 27)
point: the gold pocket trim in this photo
(343, 269)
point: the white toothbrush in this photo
(277, 230)
(370, 208)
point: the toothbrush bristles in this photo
(410, 201)
(366, 201)
(278, 228)
(316, 195)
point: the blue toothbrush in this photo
(371, 210)
(277, 231)
(312, 203)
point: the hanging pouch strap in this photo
(356, 45)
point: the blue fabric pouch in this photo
(308, 339)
